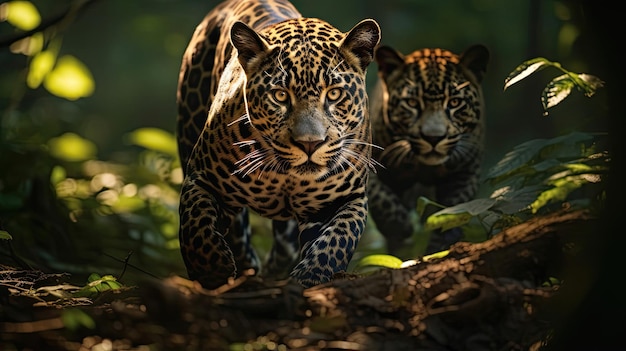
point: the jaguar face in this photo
(306, 96)
(433, 105)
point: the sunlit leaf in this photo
(4, 235)
(558, 193)
(98, 285)
(447, 221)
(41, 64)
(126, 204)
(556, 91)
(458, 215)
(72, 147)
(440, 254)
(70, 79)
(154, 139)
(57, 175)
(592, 83)
(22, 14)
(525, 69)
(386, 261)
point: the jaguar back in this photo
(206, 57)
(428, 115)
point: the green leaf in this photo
(21, 14)
(70, 79)
(516, 158)
(446, 221)
(378, 260)
(525, 69)
(154, 139)
(40, 65)
(592, 83)
(74, 318)
(533, 152)
(440, 254)
(556, 91)
(72, 147)
(456, 216)
(562, 188)
(97, 284)
(4, 235)
(513, 201)
(57, 174)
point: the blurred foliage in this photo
(89, 178)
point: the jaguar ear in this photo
(361, 41)
(388, 60)
(476, 58)
(249, 44)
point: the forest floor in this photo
(510, 292)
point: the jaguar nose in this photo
(308, 146)
(432, 140)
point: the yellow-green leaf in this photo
(447, 221)
(72, 147)
(386, 261)
(22, 14)
(70, 79)
(74, 318)
(154, 139)
(440, 254)
(125, 204)
(57, 175)
(558, 193)
(41, 64)
(4, 235)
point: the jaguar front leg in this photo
(203, 225)
(327, 244)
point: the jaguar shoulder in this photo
(428, 115)
(287, 136)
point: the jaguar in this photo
(273, 119)
(428, 118)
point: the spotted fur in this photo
(287, 136)
(428, 115)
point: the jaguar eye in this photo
(411, 102)
(280, 95)
(334, 94)
(454, 102)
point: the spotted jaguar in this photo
(428, 117)
(273, 119)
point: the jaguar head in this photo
(305, 94)
(433, 106)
